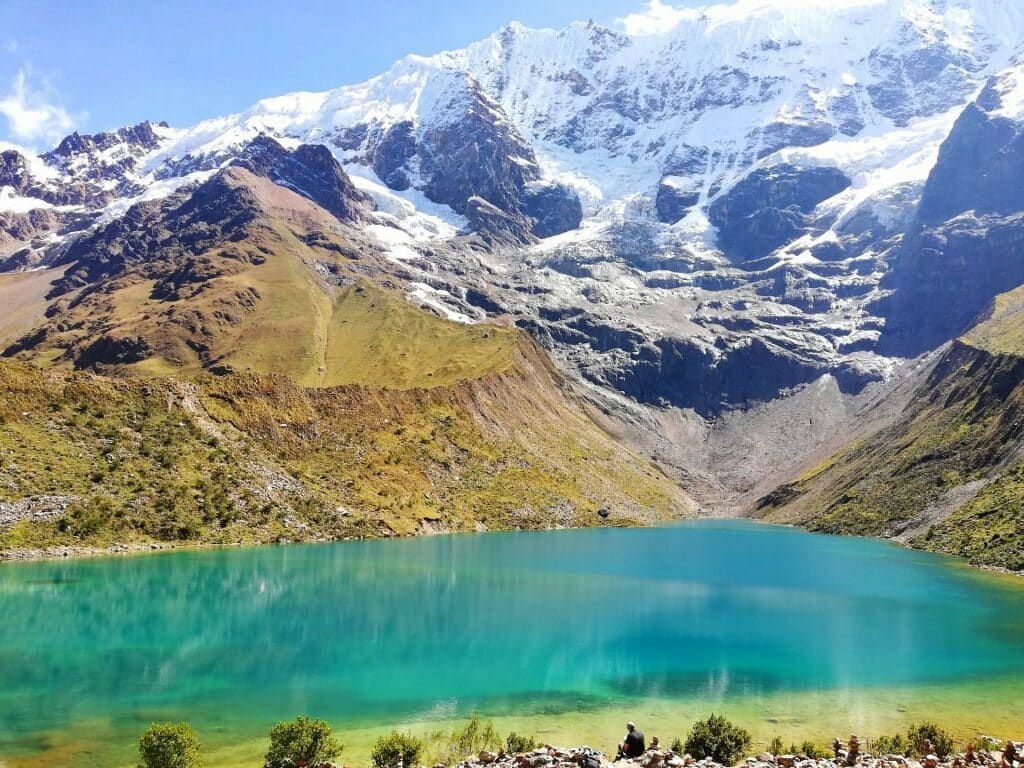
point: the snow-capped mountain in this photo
(702, 208)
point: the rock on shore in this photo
(582, 757)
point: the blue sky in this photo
(93, 65)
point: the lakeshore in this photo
(64, 552)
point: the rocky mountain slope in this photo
(740, 225)
(947, 474)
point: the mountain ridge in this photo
(714, 220)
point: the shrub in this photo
(515, 744)
(169, 745)
(388, 749)
(718, 739)
(942, 741)
(890, 745)
(813, 751)
(476, 735)
(677, 746)
(775, 746)
(986, 744)
(302, 740)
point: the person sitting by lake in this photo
(974, 756)
(632, 745)
(1010, 756)
(970, 757)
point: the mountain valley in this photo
(750, 260)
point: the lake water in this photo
(563, 633)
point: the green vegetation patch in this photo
(988, 529)
(961, 428)
(91, 461)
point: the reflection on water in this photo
(505, 622)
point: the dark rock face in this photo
(89, 178)
(811, 133)
(22, 226)
(926, 80)
(737, 371)
(496, 226)
(476, 156)
(979, 168)
(108, 350)
(89, 170)
(944, 276)
(771, 207)
(475, 153)
(672, 203)
(309, 170)
(214, 212)
(680, 373)
(141, 136)
(392, 155)
(554, 208)
(14, 171)
(846, 111)
(966, 244)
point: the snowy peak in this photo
(141, 137)
(670, 202)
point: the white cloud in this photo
(658, 18)
(32, 112)
(661, 17)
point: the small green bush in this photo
(677, 745)
(476, 736)
(451, 747)
(303, 740)
(169, 745)
(388, 749)
(516, 744)
(775, 746)
(813, 750)
(890, 745)
(718, 739)
(942, 741)
(986, 744)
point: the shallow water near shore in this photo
(562, 634)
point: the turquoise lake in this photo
(562, 632)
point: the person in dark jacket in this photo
(632, 745)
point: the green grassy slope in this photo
(257, 458)
(947, 475)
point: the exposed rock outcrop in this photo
(554, 208)
(771, 207)
(310, 170)
(964, 247)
